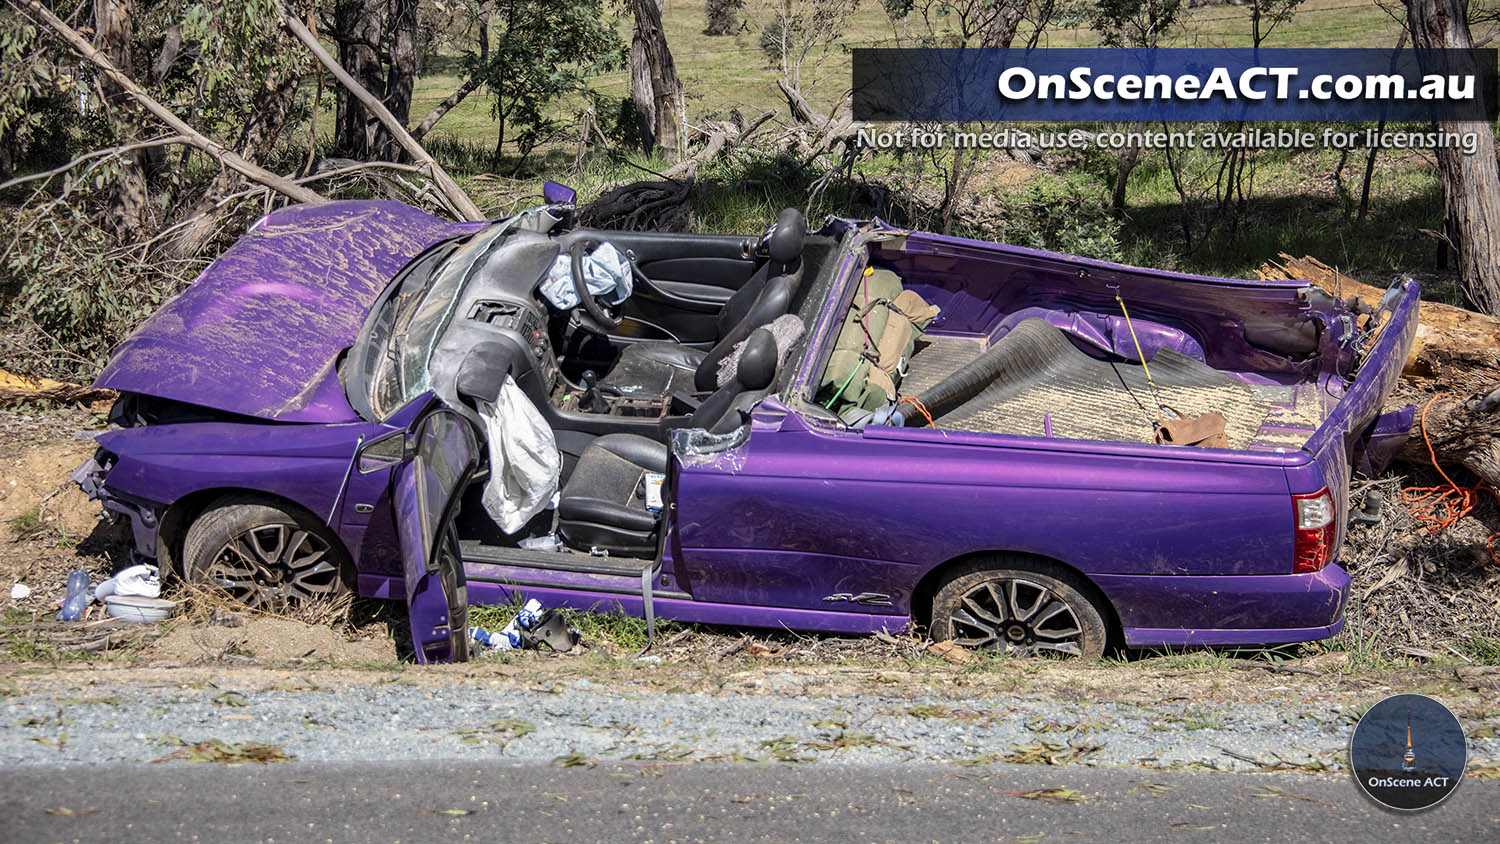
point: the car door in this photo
(426, 489)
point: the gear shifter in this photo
(592, 400)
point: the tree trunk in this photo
(1129, 157)
(400, 76)
(653, 78)
(357, 31)
(999, 29)
(641, 94)
(1471, 183)
(468, 87)
(128, 206)
(273, 103)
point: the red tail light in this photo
(1313, 548)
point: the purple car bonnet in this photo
(259, 331)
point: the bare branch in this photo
(108, 152)
(83, 48)
(450, 189)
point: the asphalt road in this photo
(505, 801)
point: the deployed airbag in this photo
(524, 461)
(605, 270)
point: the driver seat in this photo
(603, 504)
(658, 368)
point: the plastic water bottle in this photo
(77, 598)
(485, 638)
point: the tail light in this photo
(1313, 548)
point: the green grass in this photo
(26, 522)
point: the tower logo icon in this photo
(1408, 752)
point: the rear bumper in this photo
(1228, 610)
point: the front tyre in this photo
(265, 554)
(1018, 606)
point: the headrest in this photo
(786, 238)
(757, 366)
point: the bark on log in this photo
(259, 175)
(1456, 352)
(460, 201)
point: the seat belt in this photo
(647, 574)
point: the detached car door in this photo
(425, 499)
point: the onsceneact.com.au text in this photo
(1254, 83)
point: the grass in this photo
(26, 523)
(617, 631)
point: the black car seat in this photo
(603, 504)
(661, 367)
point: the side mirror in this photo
(558, 194)
(381, 452)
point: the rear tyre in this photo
(1019, 606)
(265, 554)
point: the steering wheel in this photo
(596, 311)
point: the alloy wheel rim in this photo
(274, 566)
(1017, 616)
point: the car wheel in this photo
(1021, 607)
(265, 554)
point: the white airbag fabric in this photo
(524, 462)
(605, 271)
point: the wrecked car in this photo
(845, 430)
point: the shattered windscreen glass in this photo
(420, 317)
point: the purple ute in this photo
(845, 430)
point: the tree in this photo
(543, 51)
(378, 45)
(722, 16)
(113, 29)
(1131, 23)
(1471, 183)
(654, 84)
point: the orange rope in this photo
(1440, 507)
(921, 408)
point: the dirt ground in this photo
(1425, 611)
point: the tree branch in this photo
(98, 153)
(449, 188)
(193, 137)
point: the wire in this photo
(1155, 394)
(1440, 507)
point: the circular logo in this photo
(1408, 752)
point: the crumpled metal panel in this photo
(259, 331)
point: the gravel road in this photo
(777, 719)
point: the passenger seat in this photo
(603, 504)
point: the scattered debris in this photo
(952, 652)
(20, 592)
(501, 732)
(214, 750)
(531, 627)
(77, 598)
(575, 760)
(1051, 795)
(1050, 752)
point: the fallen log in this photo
(1452, 374)
(1456, 349)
